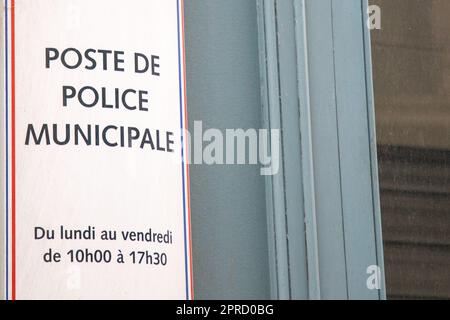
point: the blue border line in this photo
(182, 150)
(7, 148)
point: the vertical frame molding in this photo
(323, 206)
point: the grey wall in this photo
(228, 202)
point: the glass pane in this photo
(411, 56)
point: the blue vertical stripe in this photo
(180, 83)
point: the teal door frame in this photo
(312, 230)
(323, 212)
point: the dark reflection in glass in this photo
(411, 65)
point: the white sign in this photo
(97, 199)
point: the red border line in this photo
(13, 151)
(187, 152)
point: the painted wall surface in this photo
(228, 202)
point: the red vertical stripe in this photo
(13, 153)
